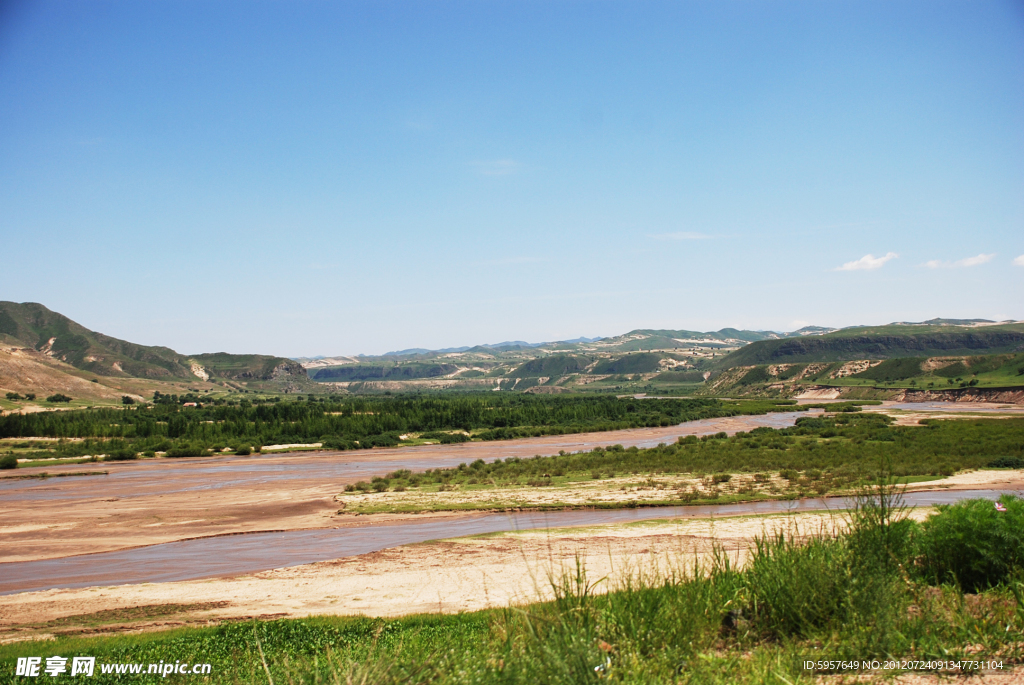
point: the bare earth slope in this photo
(25, 370)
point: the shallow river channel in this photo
(237, 554)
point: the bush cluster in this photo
(832, 451)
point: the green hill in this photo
(34, 326)
(642, 362)
(375, 372)
(881, 342)
(245, 367)
(554, 365)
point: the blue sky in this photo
(304, 178)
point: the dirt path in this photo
(447, 576)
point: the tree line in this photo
(360, 423)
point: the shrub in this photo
(127, 399)
(758, 374)
(185, 451)
(8, 461)
(972, 544)
(334, 442)
(58, 397)
(1006, 463)
(122, 455)
(452, 438)
(243, 449)
(383, 440)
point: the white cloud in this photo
(680, 235)
(1019, 261)
(965, 262)
(496, 167)
(867, 262)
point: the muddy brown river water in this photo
(237, 554)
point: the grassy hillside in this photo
(386, 371)
(555, 365)
(249, 366)
(33, 325)
(642, 362)
(881, 342)
(982, 372)
(44, 352)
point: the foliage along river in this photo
(237, 554)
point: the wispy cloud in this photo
(679, 235)
(496, 167)
(868, 262)
(965, 262)
(1019, 261)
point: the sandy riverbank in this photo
(447, 576)
(640, 490)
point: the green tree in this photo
(125, 399)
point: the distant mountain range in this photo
(46, 351)
(635, 340)
(642, 339)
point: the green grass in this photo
(856, 596)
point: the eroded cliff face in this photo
(997, 395)
(286, 369)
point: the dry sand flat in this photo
(910, 414)
(1009, 479)
(642, 489)
(446, 576)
